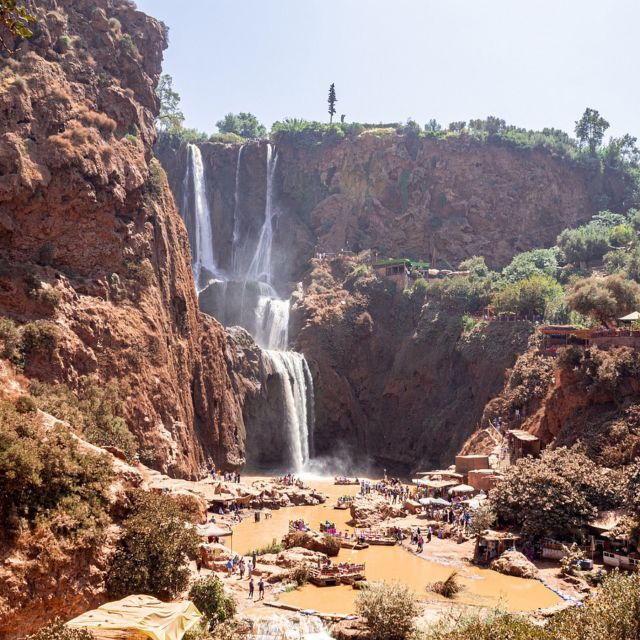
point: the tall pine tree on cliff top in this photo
(332, 102)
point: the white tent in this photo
(434, 502)
(631, 317)
(212, 529)
(462, 488)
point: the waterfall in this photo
(260, 267)
(203, 258)
(235, 258)
(252, 299)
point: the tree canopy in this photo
(604, 299)
(590, 129)
(170, 116)
(242, 124)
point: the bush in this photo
(331, 546)
(26, 404)
(300, 575)
(532, 296)
(95, 411)
(209, 596)
(244, 125)
(389, 609)
(10, 337)
(604, 299)
(530, 263)
(39, 337)
(140, 271)
(449, 587)
(46, 254)
(56, 630)
(226, 138)
(153, 551)
(156, 180)
(273, 547)
(46, 479)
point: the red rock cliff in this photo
(93, 250)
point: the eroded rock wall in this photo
(93, 249)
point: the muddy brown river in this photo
(482, 587)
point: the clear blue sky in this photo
(535, 64)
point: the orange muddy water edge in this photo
(482, 587)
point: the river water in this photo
(482, 587)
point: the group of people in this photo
(417, 538)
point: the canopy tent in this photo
(630, 317)
(139, 616)
(434, 502)
(462, 488)
(212, 529)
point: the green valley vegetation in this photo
(209, 596)
(244, 125)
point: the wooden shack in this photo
(522, 443)
(491, 544)
(395, 270)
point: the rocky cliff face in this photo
(442, 200)
(93, 250)
(398, 381)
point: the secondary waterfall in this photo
(203, 255)
(244, 292)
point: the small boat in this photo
(353, 544)
(343, 480)
(341, 505)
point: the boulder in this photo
(370, 510)
(514, 563)
(313, 541)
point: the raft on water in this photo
(345, 480)
(353, 544)
(375, 537)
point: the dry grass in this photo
(447, 588)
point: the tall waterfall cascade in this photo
(245, 294)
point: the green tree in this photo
(590, 129)
(209, 596)
(584, 244)
(170, 117)
(243, 124)
(389, 609)
(458, 126)
(529, 263)
(528, 297)
(433, 126)
(15, 18)
(332, 102)
(604, 298)
(153, 551)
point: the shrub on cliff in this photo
(533, 296)
(209, 596)
(153, 550)
(389, 609)
(531, 263)
(604, 299)
(39, 337)
(95, 410)
(46, 480)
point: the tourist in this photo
(229, 566)
(251, 588)
(198, 564)
(429, 534)
(261, 589)
(253, 556)
(241, 566)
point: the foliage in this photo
(590, 129)
(530, 263)
(170, 116)
(156, 180)
(332, 101)
(273, 547)
(632, 492)
(226, 138)
(152, 553)
(300, 574)
(308, 134)
(621, 235)
(56, 630)
(331, 545)
(558, 493)
(389, 609)
(604, 298)
(10, 338)
(462, 294)
(529, 297)
(484, 517)
(15, 18)
(209, 597)
(95, 410)
(584, 244)
(449, 587)
(359, 270)
(572, 557)
(243, 124)
(39, 337)
(496, 626)
(45, 479)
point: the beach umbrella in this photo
(212, 529)
(462, 488)
(429, 502)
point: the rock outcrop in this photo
(514, 563)
(372, 509)
(93, 250)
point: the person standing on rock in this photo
(253, 556)
(251, 587)
(429, 534)
(261, 589)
